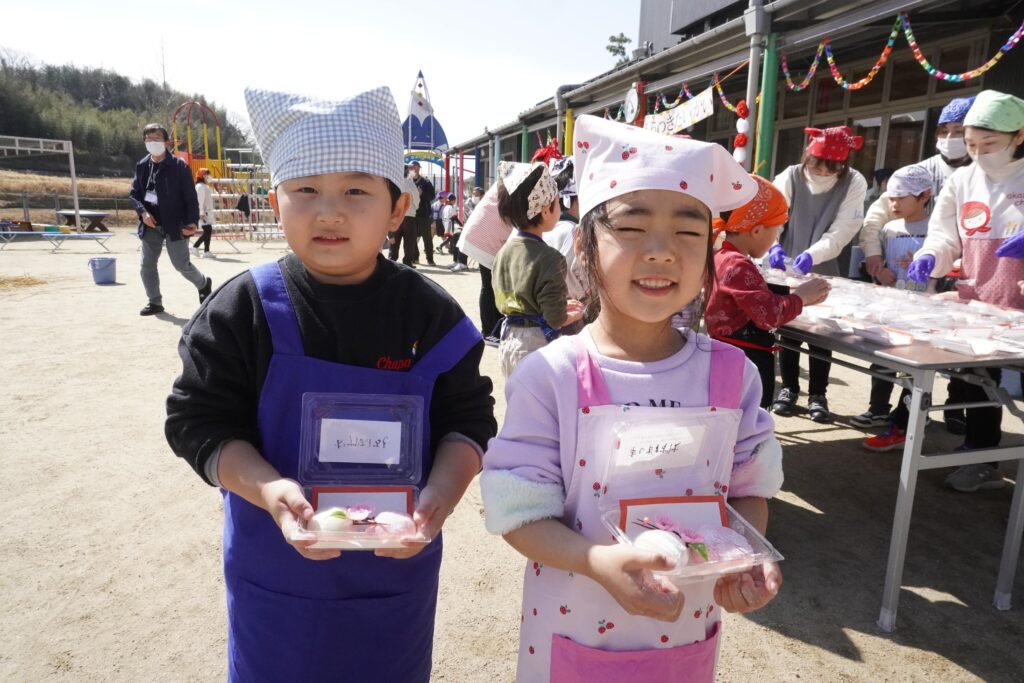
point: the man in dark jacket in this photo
(427, 195)
(164, 197)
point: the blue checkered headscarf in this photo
(302, 136)
(956, 110)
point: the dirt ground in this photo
(110, 552)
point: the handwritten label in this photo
(360, 441)
(666, 446)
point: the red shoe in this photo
(891, 440)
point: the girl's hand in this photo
(749, 590)
(573, 310)
(431, 512)
(285, 502)
(624, 572)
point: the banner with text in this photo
(682, 116)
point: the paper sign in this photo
(670, 446)
(681, 116)
(686, 511)
(151, 197)
(378, 499)
(360, 441)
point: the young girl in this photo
(590, 611)
(529, 276)
(826, 208)
(206, 212)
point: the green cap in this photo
(996, 111)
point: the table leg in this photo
(6, 239)
(920, 394)
(103, 243)
(1011, 545)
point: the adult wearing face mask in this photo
(952, 154)
(164, 197)
(979, 218)
(826, 208)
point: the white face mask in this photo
(993, 162)
(951, 148)
(155, 147)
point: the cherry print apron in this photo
(572, 629)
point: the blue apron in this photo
(355, 618)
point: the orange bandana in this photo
(768, 207)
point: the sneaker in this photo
(152, 309)
(817, 407)
(430, 262)
(785, 402)
(971, 478)
(409, 264)
(893, 438)
(491, 340)
(205, 290)
(459, 267)
(869, 418)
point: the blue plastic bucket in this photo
(104, 269)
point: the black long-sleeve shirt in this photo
(397, 314)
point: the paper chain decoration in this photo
(902, 22)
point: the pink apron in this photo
(572, 629)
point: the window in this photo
(908, 80)
(863, 159)
(953, 60)
(794, 104)
(906, 134)
(790, 148)
(828, 95)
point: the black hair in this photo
(564, 177)
(883, 174)
(597, 219)
(513, 207)
(839, 168)
(1017, 153)
(155, 128)
(394, 191)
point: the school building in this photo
(746, 42)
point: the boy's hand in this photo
(573, 310)
(813, 291)
(148, 220)
(749, 590)
(886, 277)
(431, 512)
(624, 572)
(286, 503)
(873, 264)
(188, 230)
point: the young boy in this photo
(452, 228)
(529, 276)
(742, 310)
(333, 316)
(908, 194)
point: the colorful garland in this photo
(721, 94)
(902, 21)
(838, 77)
(966, 75)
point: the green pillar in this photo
(766, 114)
(524, 148)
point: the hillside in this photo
(100, 111)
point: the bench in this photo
(56, 239)
(95, 219)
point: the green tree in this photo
(617, 46)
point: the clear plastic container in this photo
(697, 568)
(364, 534)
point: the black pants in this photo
(983, 424)
(765, 362)
(404, 237)
(789, 365)
(489, 315)
(207, 235)
(423, 230)
(457, 255)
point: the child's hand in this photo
(431, 512)
(886, 277)
(749, 590)
(286, 503)
(1020, 286)
(573, 310)
(624, 572)
(813, 291)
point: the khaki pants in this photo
(516, 343)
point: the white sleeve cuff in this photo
(511, 501)
(761, 475)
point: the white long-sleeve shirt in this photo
(205, 196)
(409, 188)
(848, 219)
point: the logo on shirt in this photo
(389, 363)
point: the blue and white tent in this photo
(420, 129)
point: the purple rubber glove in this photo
(803, 263)
(777, 257)
(921, 268)
(1012, 247)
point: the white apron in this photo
(572, 629)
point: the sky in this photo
(484, 62)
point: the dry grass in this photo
(19, 282)
(18, 181)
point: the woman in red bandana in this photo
(826, 209)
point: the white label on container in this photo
(668, 447)
(360, 441)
